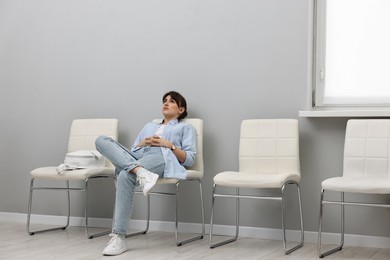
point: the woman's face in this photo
(171, 109)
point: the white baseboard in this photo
(251, 232)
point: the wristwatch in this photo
(173, 147)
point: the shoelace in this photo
(142, 180)
(113, 238)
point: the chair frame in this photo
(237, 196)
(342, 203)
(176, 195)
(68, 189)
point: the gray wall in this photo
(232, 60)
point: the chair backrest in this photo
(269, 146)
(198, 126)
(83, 133)
(366, 148)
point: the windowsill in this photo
(346, 113)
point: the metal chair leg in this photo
(288, 251)
(342, 231)
(30, 209)
(212, 220)
(147, 221)
(67, 189)
(179, 243)
(86, 212)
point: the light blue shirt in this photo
(182, 135)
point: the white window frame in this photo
(316, 74)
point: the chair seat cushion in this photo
(254, 180)
(82, 174)
(191, 175)
(358, 185)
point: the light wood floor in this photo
(73, 244)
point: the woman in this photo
(160, 150)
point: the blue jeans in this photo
(124, 161)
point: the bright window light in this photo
(357, 53)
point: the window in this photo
(351, 56)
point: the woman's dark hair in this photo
(180, 101)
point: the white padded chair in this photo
(195, 174)
(83, 133)
(268, 159)
(365, 169)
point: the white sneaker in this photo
(116, 246)
(147, 180)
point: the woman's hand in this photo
(146, 142)
(155, 141)
(161, 142)
(158, 141)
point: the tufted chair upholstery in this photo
(268, 155)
